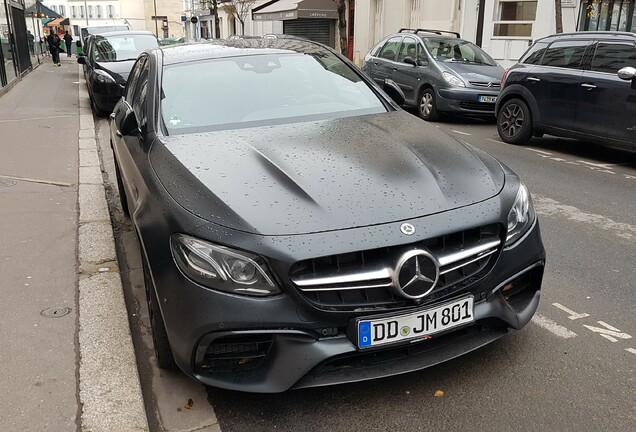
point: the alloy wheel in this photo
(426, 104)
(512, 120)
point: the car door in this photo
(130, 150)
(555, 82)
(383, 65)
(406, 75)
(607, 104)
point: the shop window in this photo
(607, 15)
(515, 18)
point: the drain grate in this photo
(55, 312)
(4, 183)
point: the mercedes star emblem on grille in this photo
(407, 229)
(416, 274)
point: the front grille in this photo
(365, 279)
(236, 353)
(478, 106)
(494, 85)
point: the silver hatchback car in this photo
(438, 72)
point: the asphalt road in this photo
(573, 368)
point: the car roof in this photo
(219, 48)
(124, 32)
(586, 34)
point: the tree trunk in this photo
(558, 16)
(214, 11)
(342, 26)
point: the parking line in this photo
(539, 151)
(495, 141)
(553, 327)
(460, 132)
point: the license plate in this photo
(488, 99)
(416, 325)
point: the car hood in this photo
(325, 175)
(476, 73)
(118, 70)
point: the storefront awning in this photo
(38, 10)
(55, 23)
(280, 10)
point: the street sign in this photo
(194, 20)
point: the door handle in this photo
(394, 68)
(535, 79)
(588, 86)
(119, 134)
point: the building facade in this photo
(18, 44)
(163, 17)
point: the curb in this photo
(109, 390)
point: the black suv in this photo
(579, 85)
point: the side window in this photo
(390, 48)
(421, 55)
(139, 94)
(610, 57)
(534, 53)
(132, 79)
(565, 54)
(407, 49)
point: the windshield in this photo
(450, 50)
(121, 47)
(257, 90)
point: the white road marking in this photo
(610, 333)
(494, 140)
(631, 350)
(573, 315)
(539, 151)
(552, 208)
(35, 118)
(598, 165)
(553, 327)
(460, 132)
(30, 180)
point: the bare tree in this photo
(240, 9)
(558, 16)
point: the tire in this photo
(123, 199)
(514, 122)
(163, 352)
(427, 105)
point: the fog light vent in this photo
(236, 353)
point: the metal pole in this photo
(86, 12)
(156, 23)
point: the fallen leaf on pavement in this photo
(189, 404)
(439, 393)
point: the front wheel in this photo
(427, 106)
(163, 352)
(514, 122)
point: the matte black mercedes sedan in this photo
(299, 229)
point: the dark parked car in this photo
(108, 59)
(579, 85)
(438, 72)
(299, 229)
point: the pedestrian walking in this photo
(53, 41)
(68, 41)
(31, 40)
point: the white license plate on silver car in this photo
(488, 99)
(416, 325)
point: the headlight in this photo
(521, 215)
(453, 79)
(222, 268)
(103, 76)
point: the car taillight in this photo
(503, 78)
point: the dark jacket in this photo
(54, 42)
(68, 39)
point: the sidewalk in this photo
(67, 357)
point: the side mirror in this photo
(410, 60)
(81, 59)
(394, 91)
(627, 73)
(129, 125)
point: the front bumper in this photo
(465, 100)
(106, 95)
(277, 343)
